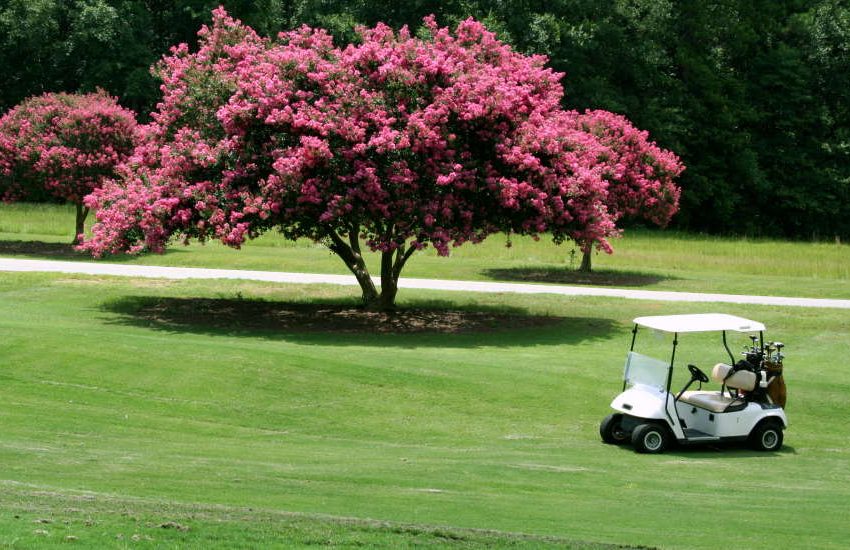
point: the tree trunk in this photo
(389, 282)
(80, 228)
(586, 259)
(392, 262)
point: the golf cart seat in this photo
(713, 401)
(739, 380)
(716, 401)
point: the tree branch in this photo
(354, 239)
(401, 258)
(344, 251)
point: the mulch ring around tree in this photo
(245, 315)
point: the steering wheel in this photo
(697, 374)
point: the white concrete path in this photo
(121, 270)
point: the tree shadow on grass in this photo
(41, 249)
(62, 251)
(567, 276)
(733, 450)
(431, 323)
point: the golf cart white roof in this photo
(700, 322)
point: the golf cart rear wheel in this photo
(611, 430)
(650, 438)
(767, 436)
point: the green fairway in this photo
(654, 260)
(159, 410)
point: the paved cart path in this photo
(121, 270)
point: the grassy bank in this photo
(170, 402)
(643, 259)
(43, 519)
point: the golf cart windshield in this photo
(642, 369)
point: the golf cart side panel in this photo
(736, 424)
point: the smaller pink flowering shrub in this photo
(63, 146)
(640, 175)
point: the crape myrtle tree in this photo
(63, 146)
(391, 144)
(639, 174)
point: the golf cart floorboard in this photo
(696, 435)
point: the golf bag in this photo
(776, 383)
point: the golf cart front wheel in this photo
(767, 436)
(650, 438)
(611, 430)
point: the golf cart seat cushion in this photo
(712, 400)
(741, 380)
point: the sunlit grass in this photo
(38, 220)
(120, 410)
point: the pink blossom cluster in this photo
(399, 140)
(63, 145)
(640, 174)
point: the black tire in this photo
(650, 438)
(767, 436)
(611, 430)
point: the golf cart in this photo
(748, 406)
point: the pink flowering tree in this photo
(63, 146)
(640, 175)
(389, 145)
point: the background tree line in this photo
(754, 95)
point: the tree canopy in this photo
(398, 141)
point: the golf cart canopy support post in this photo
(729, 351)
(670, 378)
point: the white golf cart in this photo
(748, 406)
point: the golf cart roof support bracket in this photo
(670, 380)
(725, 345)
(631, 348)
(672, 360)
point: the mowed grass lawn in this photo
(656, 260)
(161, 414)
